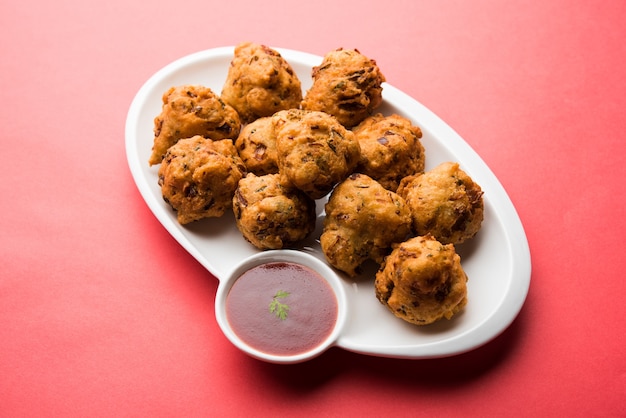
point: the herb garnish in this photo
(278, 308)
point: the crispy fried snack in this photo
(188, 111)
(422, 281)
(260, 82)
(347, 85)
(257, 146)
(198, 177)
(390, 149)
(271, 215)
(445, 202)
(363, 220)
(315, 152)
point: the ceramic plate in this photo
(496, 260)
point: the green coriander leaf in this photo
(277, 308)
(281, 294)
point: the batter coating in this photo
(347, 85)
(260, 82)
(188, 111)
(198, 177)
(390, 149)
(315, 152)
(363, 220)
(256, 145)
(445, 202)
(271, 215)
(422, 281)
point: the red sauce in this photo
(305, 300)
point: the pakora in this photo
(188, 111)
(363, 220)
(390, 149)
(256, 145)
(445, 202)
(422, 281)
(199, 176)
(260, 82)
(347, 85)
(271, 214)
(315, 152)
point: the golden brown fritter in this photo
(271, 215)
(198, 177)
(390, 149)
(188, 111)
(347, 85)
(260, 82)
(422, 281)
(445, 202)
(256, 145)
(363, 220)
(315, 152)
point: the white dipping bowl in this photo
(287, 256)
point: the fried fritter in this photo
(315, 152)
(198, 177)
(260, 82)
(191, 110)
(256, 145)
(271, 215)
(422, 281)
(347, 85)
(363, 220)
(390, 149)
(445, 202)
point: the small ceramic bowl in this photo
(282, 256)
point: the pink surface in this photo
(102, 313)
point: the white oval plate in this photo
(496, 260)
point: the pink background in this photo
(102, 313)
